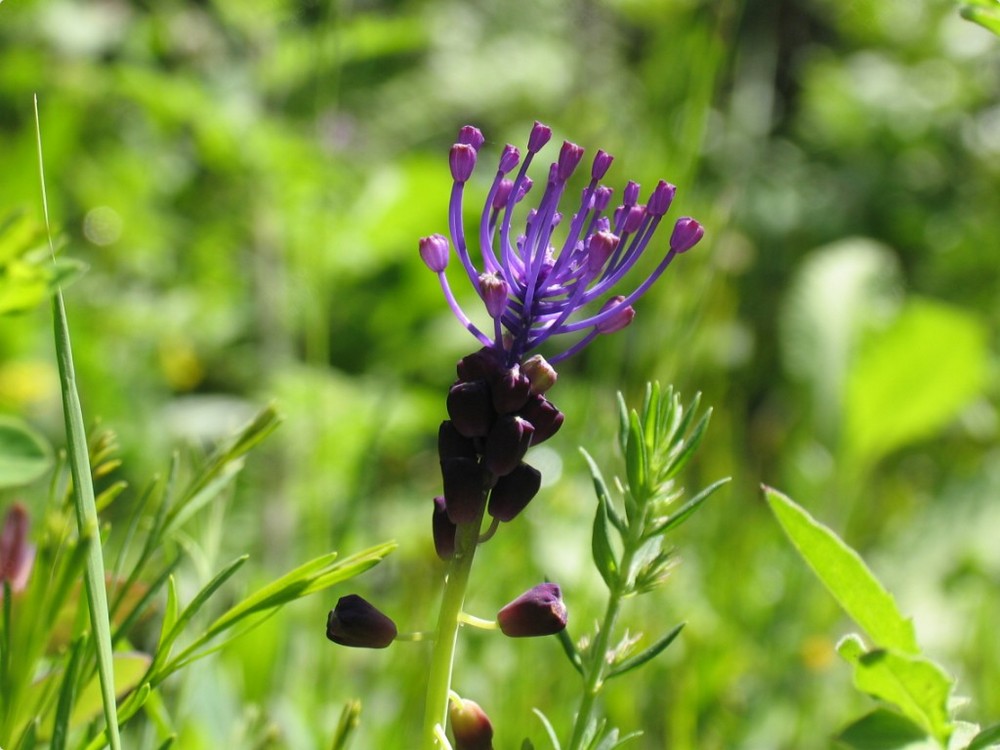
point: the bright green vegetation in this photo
(236, 190)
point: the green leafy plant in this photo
(890, 666)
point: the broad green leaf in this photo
(883, 729)
(24, 454)
(913, 683)
(986, 738)
(845, 575)
(912, 378)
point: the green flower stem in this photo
(449, 620)
(596, 665)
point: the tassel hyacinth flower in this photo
(533, 286)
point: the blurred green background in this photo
(247, 179)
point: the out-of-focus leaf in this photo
(883, 729)
(24, 454)
(984, 12)
(912, 378)
(845, 575)
(913, 683)
(986, 738)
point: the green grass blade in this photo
(83, 487)
(67, 696)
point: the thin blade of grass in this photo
(67, 696)
(83, 486)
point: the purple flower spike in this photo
(569, 157)
(434, 252)
(463, 161)
(470, 725)
(470, 407)
(494, 291)
(471, 136)
(356, 623)
(509, 158)
(621, 315)
(662, 197)
(540, 135)
(555, 285)
(443, 530)
(602, 162)
(17, 554)
(539, 611)
(687, 233)
(513, 492)
(544, 417)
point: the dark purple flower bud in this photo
(494, 291)
(434, 252)
(513, 492)
(631, 194)
(509, 158)
(471, 136)
(634, 218)
(464, 489)
(602, 245)
(662, 197)
(601, 163)
(452, 444)
(510, 389)
(470, 725)
(539, 373)
(480, 365)
(356, 623)
(602, 197)
(17, 555)
(443, 530)
(502, 194)
(507, 443)
(686, 234)
(470, 407)
(539, 611)
(463, 160)
(569, 157)
(620, 319)
(544, 417)
(540, 135)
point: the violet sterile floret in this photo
(554, 286)
(434, 252)
(17, 554)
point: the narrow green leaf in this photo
(622, 423)
(132, 705)
(913, 683)
(690, 446)
(350, 719)
(845, 575)
(126, 623)
(29, 738)
(643, 656)
(24, 453)
(604, 556)
(553, 738)
(687, 510)
(169, 616)
(985, 17)
(635, 458)
(67, 697)
(168, 743)
(882, 730)
(986, 738)
(86, 509)
(603, 496)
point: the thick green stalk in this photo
(443, 656)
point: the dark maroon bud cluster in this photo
(539, 611)
(356, 623)
(496, 412)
